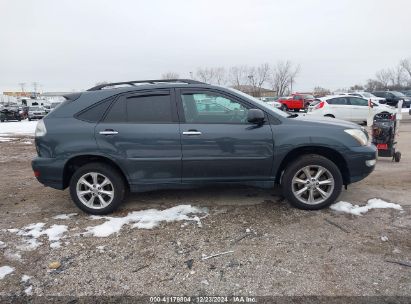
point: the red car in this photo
(296, 101)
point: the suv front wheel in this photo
(97, 188)
(312, 182)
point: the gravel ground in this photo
(277, 250)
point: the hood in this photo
(327, 121)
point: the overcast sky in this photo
(67, 45)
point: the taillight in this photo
(320, 105)
(36, 173)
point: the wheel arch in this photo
(77, 161)
(326, 152)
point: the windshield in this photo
(260, 103)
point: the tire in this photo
(29, 119)
(116, 187)
(329, 182)
(397, 156)
(284, 108)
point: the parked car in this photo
(393, 97)
(36, 112)
(9, 113)
(272, 101)
(296, 102)
(407, 93)
(369, 96)
(103, 142)
(346, 107)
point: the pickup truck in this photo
(296, 102)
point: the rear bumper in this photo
(49, 171)
(361, 162)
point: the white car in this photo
(346, 107)
(272, 101)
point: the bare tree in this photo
(237, 76)
(357, 87)
(257, 76)
(220, 76)
(384, 77)
(320, 91)
(405, 64)
(205, 74)
(282, 76)
(170, 75)
(373, 85)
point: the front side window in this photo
(212, 108)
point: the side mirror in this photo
(255, 116)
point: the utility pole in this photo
(22, 84)
(35, 85)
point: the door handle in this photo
(192, 132)
(108, 132)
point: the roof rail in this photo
(133, 83)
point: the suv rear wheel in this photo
(97, 188)
(312, 182)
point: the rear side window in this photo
(338, 101)
(141, 109)
(149, 109)
(95, 112)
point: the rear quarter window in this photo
(95, 112)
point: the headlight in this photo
(40, 129)
(359, 135)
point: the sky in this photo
(71, 45)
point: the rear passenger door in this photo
(340, 107)
(141, 132)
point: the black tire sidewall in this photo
(112, 174)
(313, 160)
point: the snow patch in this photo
(5, 270)
(33, 231)
(29, 290)
(12, 256)
(374, 203)
(25, 278)
(64, 216)
(18, 127)
(146, 219)
(6, 139)
(2, 245)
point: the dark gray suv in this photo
(146, 135)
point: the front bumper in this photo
(49, 171)
(36, 116)
(360, 162)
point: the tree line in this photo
(279, 77)
(397, 78)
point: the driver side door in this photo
(218, 143)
